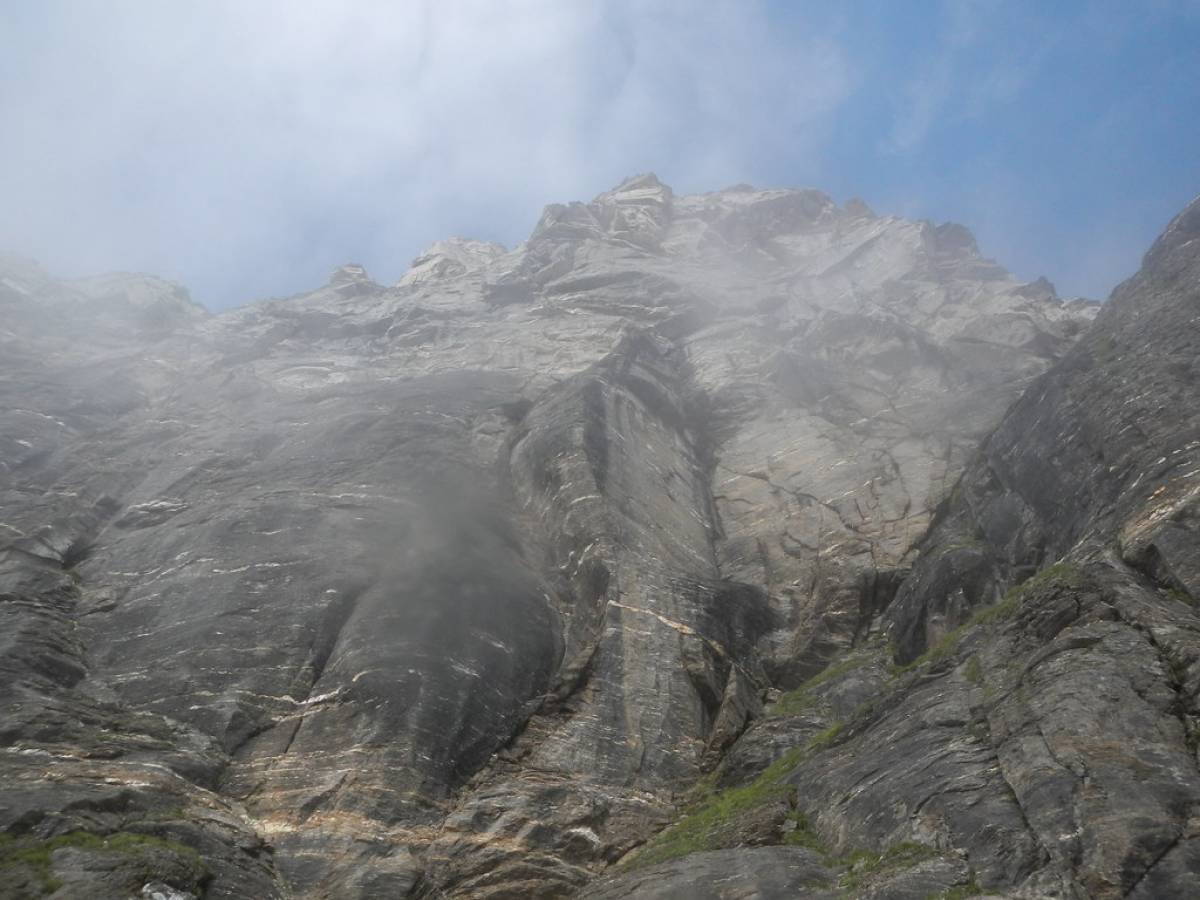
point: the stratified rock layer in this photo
(472, 586)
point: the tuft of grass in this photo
(1181, 596)
(974, 671)
(793, 703)
(801, 699)
(704, 787)
(1062, 575)
(17, 854)
(962, 892)
(1058, 575)
(868, 708)
(865, 866)
(702, 827)
(803, 834)
(997, 612)
(705, 825)
(943, 649)
(825, 738)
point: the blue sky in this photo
(247, 148)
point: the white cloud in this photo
(986, 54)
(247, 147)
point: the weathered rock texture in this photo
(487, 584)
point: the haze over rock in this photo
(460, 587)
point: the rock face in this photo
(724, 545)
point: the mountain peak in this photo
(351, 279)
(644, 181)
(1180, 233)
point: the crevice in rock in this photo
(980, 715)
(337, 614)
(877, 590)
(595, 430)
(1154, 862)
(79, 550)
(325, 638)
(1184, 707)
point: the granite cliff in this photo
(727, 545)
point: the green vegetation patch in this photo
(36, 855)
(998, 612)
(865, 867)
(710, 822)
(705, 825)
(1062, 575)
(793, 703)
(1180, 596)
(1058, 575)
(970, 889)
(943, 649)
(825, 738)
(801, 699)
(802, 834)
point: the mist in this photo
(246, 149)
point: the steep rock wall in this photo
(457, 587)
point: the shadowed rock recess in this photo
(720, 546)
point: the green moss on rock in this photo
(706, 824)
(35, 856)
(1059, 575)
(801, 699)
(865, 866)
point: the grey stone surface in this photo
(458, 587)
(754, 873)
(1047, 725)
